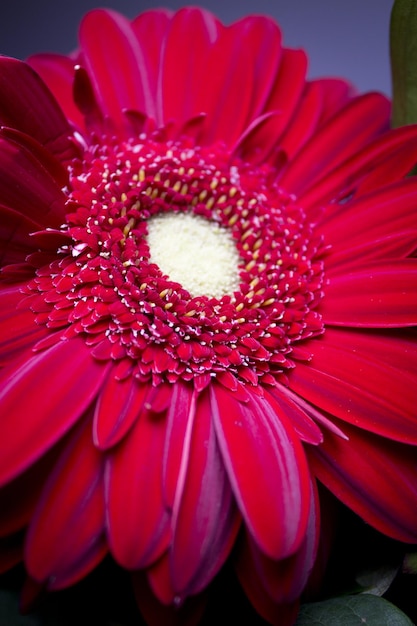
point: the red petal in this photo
(57, 71)
(260, 448)
(348, 176)
(157, 614)
(46, 394)
(359, 388)
(138, 522)
(66, 536)
(18, 330)
(180, 418)
(19, 497)
(378, 295)
(27, 105)
(117, 408)
(349, 130)
(205, 521)
(181, 68)
(375, 478)
(225, 92)
(27, 188)
(283, 580)
(116, 64)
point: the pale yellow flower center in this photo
(199, 254)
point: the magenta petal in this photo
(361, 120)
(18, 331)
(182, 71)
(137, 519)
(180, 418)
(359, 388)
(205, 520)
(157, 614)
(43, 119)
(57, 71)
(118, 406)
(260, 448)
(115, 62)
(29, 189)
(376, 295)
(374, 477)
(66, 536)
(283, 580)
(45, 401)
(381, 213)
(349, 175)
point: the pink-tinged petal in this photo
(118, 406)
(151, 29)
(284, 98)
(19, 498)
(336, 93)
(273, 612)
(188, 614)
(18, 331)
(260, 447)
(374, 477)
(262, 36)
(359, 388)
(114, 59)
(45, 401)
(29, 189)
(57, 71)
(302, 423)
(306, 118)
(137, 519)
(45, 158)
(205, 520)
(396, 348)
(283, 580)
(347, 258)
(180, 70)
(225, 89)
(180, 419)
(289, 85)
(350, 175)
(378, 295)
(378, 214)
(343, 135)
(43, 119)
(65, 539)
(160, 579)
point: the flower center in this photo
(198, 254)
(183, 262)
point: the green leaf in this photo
(352, 611)
(403, 42)
(377, 580)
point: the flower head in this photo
(208, 303)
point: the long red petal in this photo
(66, 536)
(205, 519)
(116, 64)
(138, 522)
(375, 478)
(359, 388)
(260, 448)
(43, 119)
(41, 398)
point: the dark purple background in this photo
(345, 38)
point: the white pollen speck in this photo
(197, 253)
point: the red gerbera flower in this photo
(208, 302)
